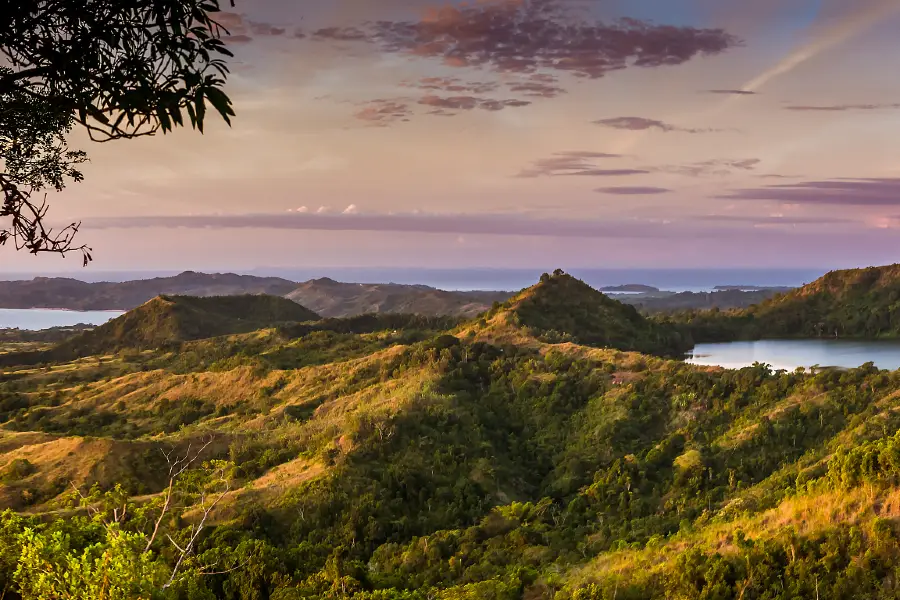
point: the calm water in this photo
(790, 354)
(43, 318)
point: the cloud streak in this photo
(455, 224)
(840, 107)
(633, 190)
(381, 113)
(576, 163)
(644, 124)
(731, 92)
(469, 103)
(714, 167)
(840, 192)
(857, 20)
(773, 220)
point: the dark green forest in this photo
(554, 447)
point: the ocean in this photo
(676, 280)
(44, 318)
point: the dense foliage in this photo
(563, 308)
(862, 303)
(383, 457)
(118, 70)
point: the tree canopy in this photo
(119, 70)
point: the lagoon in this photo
(790, 354)
(44, 318)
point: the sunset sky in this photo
(574, 133)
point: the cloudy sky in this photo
(521, 133)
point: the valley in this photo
(554, 446)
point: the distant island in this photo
(631, 288)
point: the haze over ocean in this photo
(677, 280)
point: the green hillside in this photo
(385, 457)
(172, 319)
(863, 303)
(562, 308)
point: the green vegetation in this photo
(170, 320)
(562, 308)
(520, 455)
(863, 303)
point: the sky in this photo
(520, 133)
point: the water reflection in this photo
(790, 354)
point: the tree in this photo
(115, 547)
(119, 70)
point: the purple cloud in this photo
(240, 28)
(643, 124)
(845, 192)
(341, 34)
(732, 92)
(382, 112)
(774, 220)
(454, 85)
(575, 163)
(715, 167)
(840, 107)
(457, 224)
(523, 36)
(633, 190)
(469, 103)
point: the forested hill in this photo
(331, 298)
(325, 296)
(368, 467)
(561, 308)
(846, 303)
(170, 320)
(72, 294)
(412, 458)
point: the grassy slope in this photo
(861, 303)
(172, 319)
(563, 308)
(331, 298)
(455, 461)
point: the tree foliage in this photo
(119, 70)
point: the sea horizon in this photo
(488, 278)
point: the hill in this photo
(383, 458)
(58, 292)
(331, 298)
(561, 308)
(325, 296)
(174, 319)
(722, 299)
(863, 303)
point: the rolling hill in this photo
(325, 296)
(523, 455)
(72, 294)
(561, 308)
(861, 303)
(331, 298)
(173, 319)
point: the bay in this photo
(44, 318)
(790, 354)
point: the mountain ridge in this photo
(562, 308)
(400, 458)
(854, 303)
(167, 320)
